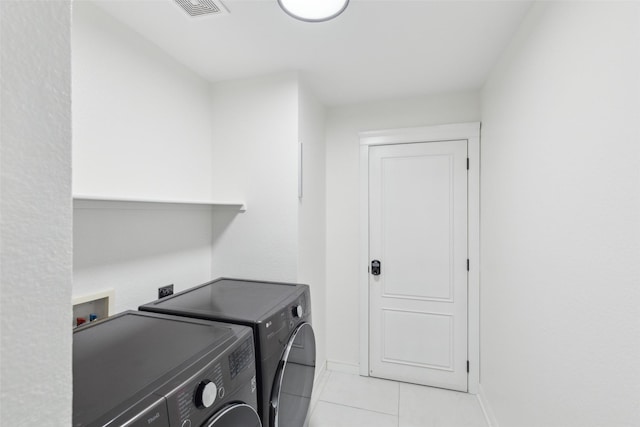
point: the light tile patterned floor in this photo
(345, 400)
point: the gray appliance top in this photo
(129, 355)
(229, 299)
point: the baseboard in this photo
(347, 368)
(320, 370)
(486, 408)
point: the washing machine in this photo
(280, 315)
(145, 369)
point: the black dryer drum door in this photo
(291, 394)
(236, 415)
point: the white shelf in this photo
(83, 201)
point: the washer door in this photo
(293, 384)
(236, 415)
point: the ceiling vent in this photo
(203, 7)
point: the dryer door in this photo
(293, 383)
(235, 415)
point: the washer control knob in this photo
(206, 394)
(297, 311)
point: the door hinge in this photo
(467, 163)
(467, 366)
(467, 264)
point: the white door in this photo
(418, 233)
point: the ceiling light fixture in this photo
(313, 10)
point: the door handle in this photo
(375, 267)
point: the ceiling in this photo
(377, 49)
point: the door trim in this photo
(470, 132)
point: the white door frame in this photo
(470, 132)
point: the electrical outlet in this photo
(165, 291)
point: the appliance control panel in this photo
(297, 310)
(192, 401)
(279, 326)
(241, 358)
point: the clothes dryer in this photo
(280, 315)
(144, 369)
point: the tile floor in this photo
(346, 400)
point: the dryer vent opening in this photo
(203, 7)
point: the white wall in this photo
(142, 128)
(343, 125)
(255, 134)
(141, 120)
(257, 124)
(35, 209)
(135, 251)
(560, 297)
(312, 213)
